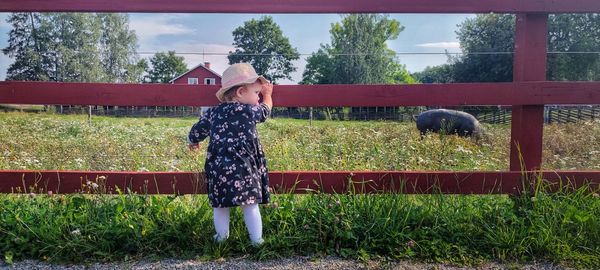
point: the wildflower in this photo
(76, 232)
(410, 243)
(94, 185)
(306, 227)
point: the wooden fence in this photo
(527, 95)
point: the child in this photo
(235, 167)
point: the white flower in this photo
(94, 185)
(463, 150)
(76, 232)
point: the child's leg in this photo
(221, 220)
(253, 222)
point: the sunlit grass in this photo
(563, 227)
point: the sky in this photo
(212, 33)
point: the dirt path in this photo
(296, 263)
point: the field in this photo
(563, 227)
(46, 141)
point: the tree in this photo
(165, 67)
(262, 44)
(488, 41)
(139, 72)
(435, 74)
(397, 74)
(360, 49)
(574, 33)
(493, 33)
(118, 49)
(358, 53)
(319, 67)
(72, 47)
(75, 50)
(27, 44)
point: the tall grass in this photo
(69, 142)
(561, 227)
(44, 142)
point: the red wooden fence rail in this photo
(304, 6)
(517, 93)
(298, 182)
(527, 94)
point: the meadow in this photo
(562, 227)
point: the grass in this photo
(562, 227)
(69, 142)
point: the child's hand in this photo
(194, 146)
(267, 89)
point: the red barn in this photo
(200, 74)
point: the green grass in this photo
(69, 142)
(563, 227)
(44, 142)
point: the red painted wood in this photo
(519, 93)
(304, 6)
(297, 182)
(527, 127)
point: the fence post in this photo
(529, 64)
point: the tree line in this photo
(100, 47)
(487, 42)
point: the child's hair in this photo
(230, 93)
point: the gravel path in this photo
(296, 263)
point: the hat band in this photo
(237, 80)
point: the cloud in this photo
(148, 29)
(441, 45)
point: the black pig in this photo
(449, 122)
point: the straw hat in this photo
(238, 74)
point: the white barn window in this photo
(192, 80)
(211, 81)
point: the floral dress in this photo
(235, 167)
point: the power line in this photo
(366, 54)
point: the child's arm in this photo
(199, 131)
(261, 112)
(267, 92)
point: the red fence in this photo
(527, 95)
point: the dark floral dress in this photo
(236, 167)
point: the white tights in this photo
(251, 218)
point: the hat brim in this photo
(221, 93)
